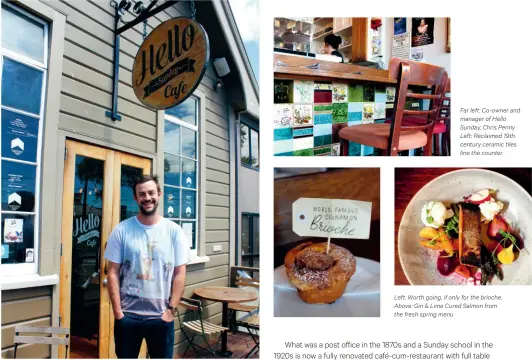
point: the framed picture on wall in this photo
(448, 35)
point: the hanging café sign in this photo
(170, 63)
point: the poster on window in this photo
(13, 230)
(19, 136)
(188, 207)
(399, 26)
(422, 31)
(172, 200)
(18, 186)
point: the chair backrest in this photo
(42, 339)
(412, 73)
(236, 279)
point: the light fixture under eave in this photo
(221, 67)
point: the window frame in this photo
(250, 146)
(29, 268)
(193, 253)
(251, 238)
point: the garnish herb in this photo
(509, 236)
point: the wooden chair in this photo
(237, 280)
(43, 339)
(445, 119)
(195, 326)
(394, 137)
(252, 323)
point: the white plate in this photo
(361, 297)
(419, 263)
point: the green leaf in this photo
(430, 219)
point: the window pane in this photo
(21, 86)
(172, 199)
(245, 235)
(128, 205)
(189, 143)
(189, 173)
(188, 207)
(18, 186)
(244, 144)
(17, 238)
(172, 172)
(254, 148)
(19, 136)
(189, 227)
(171, 138)
(22, 34)
(185, 111)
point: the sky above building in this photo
(246, 13)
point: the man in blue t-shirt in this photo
(147, 255)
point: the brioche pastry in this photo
(319, 278)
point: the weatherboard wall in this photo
(85, 94)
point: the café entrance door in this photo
(97, 195)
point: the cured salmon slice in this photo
(469, 239)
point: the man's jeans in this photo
(130, 330)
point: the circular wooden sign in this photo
(170, 63)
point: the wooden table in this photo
(408, 181)
(225, 295)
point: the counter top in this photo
(297, 67)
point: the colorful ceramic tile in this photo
(367, 150)
(283, 91)
(354, 107)
(380, 111)
(323, 150)
(303, 92)
(380, 98)
(323, 140)
(354, 122)
(339, 93)
(283, 146)
(323, 129)
(335, 150)
(368, 112)
(283, 134)
(389, 105)
(339, 109)
(290, 153)
(323, 108)
(335, 132)
(303, 131)
(369, 93)
(305, 152)
(282, 116)
(322, 96)
(356, 93)
(303, 143)
(390, 94)
(354, 116)
(322, 85)
(354, 149)
(302, 115)
(322, 119)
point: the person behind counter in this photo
(331, 43)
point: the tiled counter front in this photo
(309, 114)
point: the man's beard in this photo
(148, 212)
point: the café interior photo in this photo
(362, 86)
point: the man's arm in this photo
(178, 284)
(113, 286)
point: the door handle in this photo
(105, 282)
